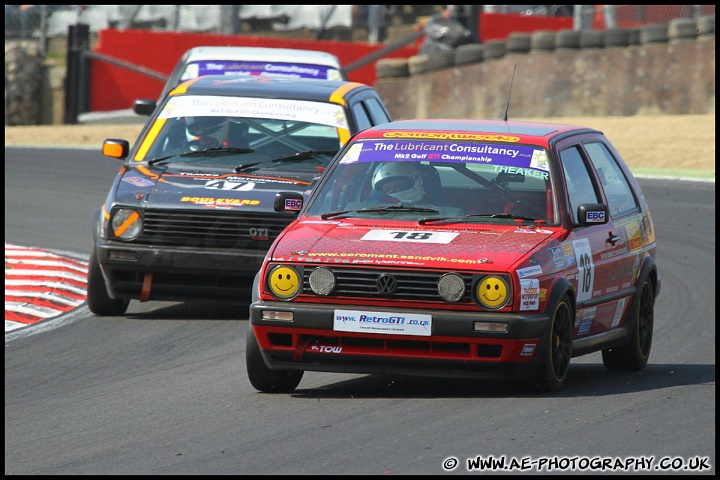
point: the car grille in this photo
(212, 229)
(353, 282)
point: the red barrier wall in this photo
(115, 88)
(497, 26)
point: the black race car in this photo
(219, 170)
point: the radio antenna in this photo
(507, 105)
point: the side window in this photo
(617, 190)
(361, 117)
(578, 180)
(377, 112)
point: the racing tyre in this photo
(263, 378)
(634, 356)
(555, 362)
(98, 300)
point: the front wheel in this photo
(98, 300)
(263, 378)
(633, 357)
(555, 361)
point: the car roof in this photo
(270, 87)
(262, 54)
(527, 131)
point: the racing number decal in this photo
(400, 236)
(411, 235)
(228, 185)
(586, 269)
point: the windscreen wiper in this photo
(286, 158)
(306, 153)
(464, 218)
(232, 150)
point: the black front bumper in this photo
(142, 272)
(453, 349)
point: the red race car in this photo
(459, 248)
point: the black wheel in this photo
(634, 356)
(98, 300)
(263, 378)
(555, 362)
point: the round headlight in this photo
(451, 287)
(493, 292)
(322, 281)
(126, 224)
(284, 282)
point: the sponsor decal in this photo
(326, 349)
(529, 271)
(527, 349)
(558, 257)
(382, 322)
(451, 136)
(281, 109)
(530, 294)
(516, 159)
(540, 160)
(569, 253)
(595, 217)
(586, 320)
(265, 69)
(138, 181)
(293, 204)
(618, 313)
(219, 202)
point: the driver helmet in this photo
(400, 180)
(209, 131)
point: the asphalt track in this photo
(162, 390)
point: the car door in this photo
(599, 248)
(626, 220)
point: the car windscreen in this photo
(454, 177)
(256, 129)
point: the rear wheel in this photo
(634, 356)
(555, 362)
(98, 300)
(263, 378)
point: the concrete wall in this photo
(651, 79)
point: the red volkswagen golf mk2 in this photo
(459, 248)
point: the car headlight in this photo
(284, 282)
(126, 224)
(322, 281)
(492, 292)
(451, 287)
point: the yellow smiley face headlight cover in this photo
(284, 282)
(493, 292)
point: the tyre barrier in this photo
(678, 30)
